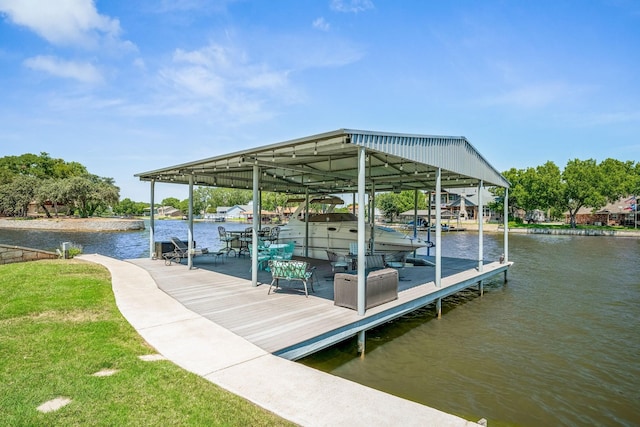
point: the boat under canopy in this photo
(337, 231)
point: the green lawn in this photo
(59, 325)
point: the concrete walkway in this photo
(293, 391)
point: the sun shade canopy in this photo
(327, 163)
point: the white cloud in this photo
(202, 6)
(534, 96)
(321, 24)
(221, 83)
(66, 22)
(139, 64)
(351, 6)
(81, 71)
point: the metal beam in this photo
(152, 225)
(438, 230)
(255, 225)
(361, 232)
(480, 228)
(190, 228)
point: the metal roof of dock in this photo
(327, 163)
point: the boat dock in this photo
(287, 324)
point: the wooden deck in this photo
(286, 323)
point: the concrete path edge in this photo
(291, 390)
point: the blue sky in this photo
(130, 86)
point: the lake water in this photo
(559, 344)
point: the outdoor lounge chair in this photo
(181, 250)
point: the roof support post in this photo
(306, 222)
(438, 228)
(361, 231)
(255, 225)
(372, 216)
(190, 219)
(415, 214)
(152, 224)
(372, 208)
(480, 226)
(506, 225)
(429, 225)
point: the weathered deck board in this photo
(222, 292)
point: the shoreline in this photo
(497, 228)
(136, 224)
(73, 224)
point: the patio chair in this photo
(263, 258)
(353, 248)
(290, 270)
(397, 261)
(284, 253)
(339, 263)
(227, 238)
(273, 235)
(245, 240)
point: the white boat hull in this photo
(337, 237)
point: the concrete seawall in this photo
(497, 228)
(73, 224)
(11, 254)
(576, 232)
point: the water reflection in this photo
(120, 245)
(557, 345)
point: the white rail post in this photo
(254, 228)
(506, 230)
(438, 229)
(190, 220)
(480, 228)
(361, 342)
(152, 225)
(361, 232)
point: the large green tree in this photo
(129, 207)
(53, 191)
(273, 201)
(42, 179)
(530, 188)
(40, 166)
(16, 195)
(88, 193)
(209, 198)
(393, 204)
(171, 201)
(583, 185)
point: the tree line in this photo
(52, 184)
(582, 183)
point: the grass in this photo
(59, 324)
